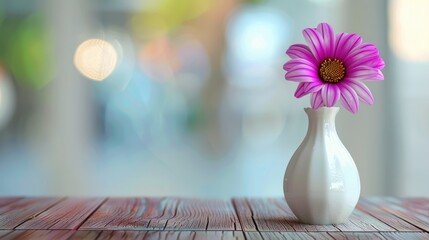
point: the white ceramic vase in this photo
(321, 183)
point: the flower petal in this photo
(345, 43)
(365, 47)
(380, 64)
(366, 54)
(301, 75)
(297, 51)
(349, 98)
(330, 94)
(313, 86)
(315, 43)
(316, 100)
(298, 63)
(300, 90)
(365, 73)
(370, 60)
(361, 90)
(328, 38)
(305, 88)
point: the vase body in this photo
(321, 183)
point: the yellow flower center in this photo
(332, 70)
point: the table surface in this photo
(179, 218)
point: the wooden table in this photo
(178, 218)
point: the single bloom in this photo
(332, 67)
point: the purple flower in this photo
(331, 68)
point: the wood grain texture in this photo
(4, 233)
(8, 200)
(391, 205)
(418, 206)
(253, 235)
(405, 235)
(195, 235)
(177, 218)
(244, 214)
(362, 222)
(129, 213)
(380, 235)
(266, 215)
(209, 214)
(166, 210)
(336, 235)
(86, 234)
(295, 235)
(300, 227)
(110, 234)
(358, 221)
(388, 218)
(38, 234)
(155, 235)
(259, 214)
(14, 214)
(70, 213)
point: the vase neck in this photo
(322, 119)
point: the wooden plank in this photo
(296, 235)
(380, 235)
(336, 235)
(8, 200)
(113, 235)
(273, 215)
(416, 205)
(210, 214)
(131, 214)
(244, 214)
(362, 222)
(185, 235)
(266, 215)
(67, 214)
(388, 218)
(109, 234)
(418, 220)
(39, 234)
(117, 214)
(296, 224)
(164, 211)
(405, 235)
(357, 235)
(14, 214)
(162, 235)
(86, 234)
(4, 233)
(253, 235)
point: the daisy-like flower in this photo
(332, 67)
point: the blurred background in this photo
(187, 97)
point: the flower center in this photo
(332, 70)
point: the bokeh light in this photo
(256, 37)
(96, 59)
(125, 70)
(408, 23)
(257, 33)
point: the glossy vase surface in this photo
(321, 183)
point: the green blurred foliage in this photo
(166, 15)
(24, 50)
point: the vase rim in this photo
(319, 109)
